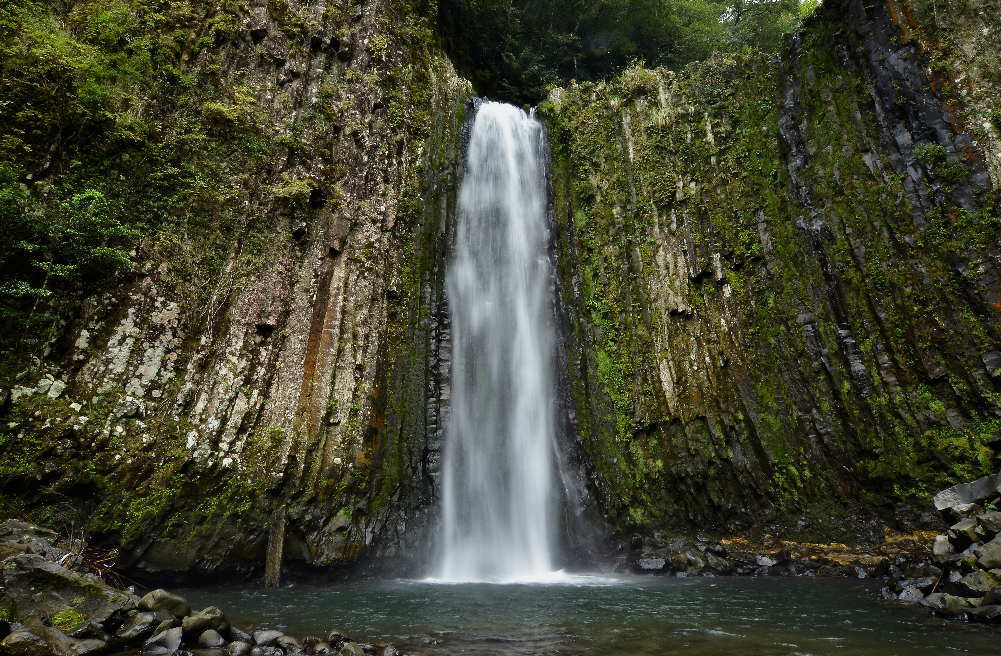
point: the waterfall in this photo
(499, 456)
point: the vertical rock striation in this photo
(280, 354)
(783, 275)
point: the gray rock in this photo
(946, 604)
(911, 595)
(210, 638)
(266, 637)
(336, 637)
(288, 643)
(42, 588)
(351, 649)
(164, 644)
(160, 599)
(651, 564)
(765, 561)
(941, 546)
(239, 635)
(203, 620)
(24, 643)
(238, 648)
(991, 521)
(979, 581)
(266, 651)
(989, 554)
(140, 625)
(966, 530)
(964, 493)
(988, 614)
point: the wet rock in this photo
(319, 647)
(139, 625)
(946, 604)
(210, 638)
(351, 649)
(166, 624)
(160, 599)
(966, 493)
(288, 643)
(651, 564)
(336, 638)
(238, 648)
(267, 637)
(164, 644)
(266, 651)
(965, 532)
(203, 620)
(39, 587)
(911, 595)
(989, 554)
(24, 643)
(385, 649)
(941, 547)
(979, 582)
(991, 521)
(239, 635)
(987, 614)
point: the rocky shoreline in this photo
(51, 604)
(961, 578)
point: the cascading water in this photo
(499, 458)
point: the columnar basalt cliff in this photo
(268, 367)
(783, 276)
(779, 276)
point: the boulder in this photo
(210, 638)
(21, 537)
(288, 643)
(239, 635)
(336, 638)
(979, 581)
(164, 644)
(765, 561)
(139, 625)
(965, 493)
(941, 546)
(988, 614)
(203, 620)
(989, 554)
(911, 595)
(266, 637)
(651, 564)
(238, 648)
(991, 521)
(965, 532)
(160, 599)
(266, 651)
(24, 643)
(37, 587)
(946, 604)
(351, 649)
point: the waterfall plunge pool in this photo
(591, 615)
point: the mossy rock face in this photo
(68, 620)
(38, 587)
(780, 284)
(262, 343)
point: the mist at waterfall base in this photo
(499, 461)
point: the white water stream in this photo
(499, 456)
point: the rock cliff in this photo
(266, 371)
(780, 276)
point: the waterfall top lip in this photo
(556, 577)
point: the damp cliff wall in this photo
(781, 276)
(267, 362)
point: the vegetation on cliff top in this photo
(516, 49)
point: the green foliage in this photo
(517, 49)
(68, 619)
